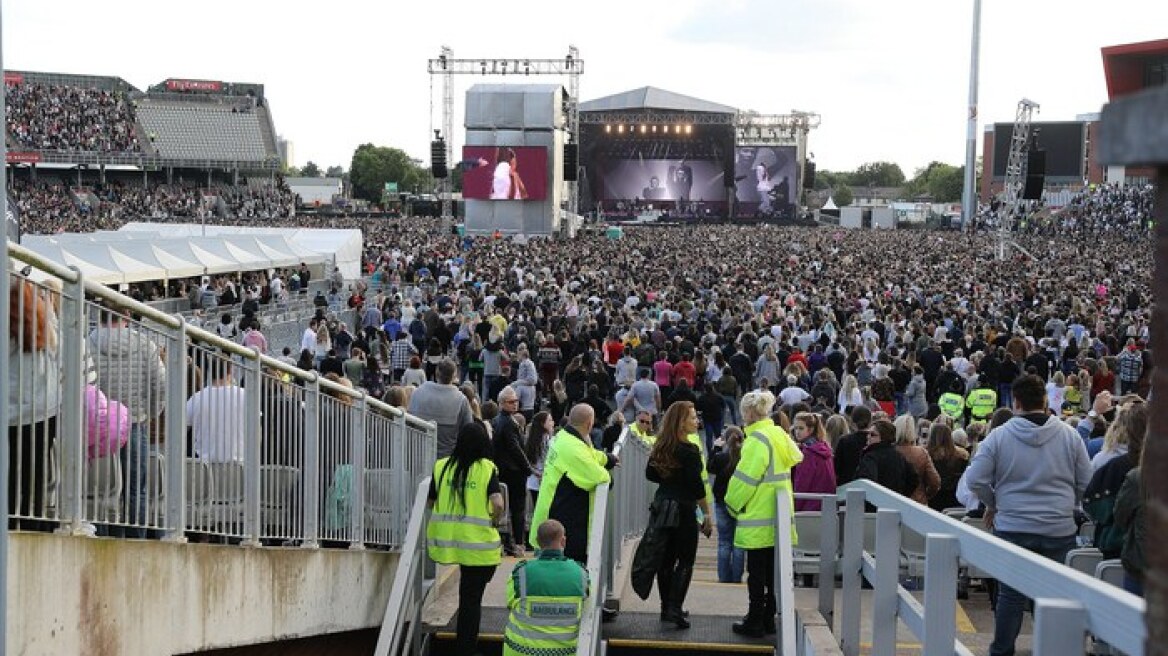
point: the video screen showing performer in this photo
(504, 172)
(765, 179)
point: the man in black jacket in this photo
(851, 446)
(514, 468)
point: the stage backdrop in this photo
(766, 179)
(664, 180)
(488, 174)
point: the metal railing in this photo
(1068, 604)
(402, 624)
(128, 421)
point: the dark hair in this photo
(1029, 392)
(473, 445)
(886, 429)
(861, 417)
(534, 445)
(1000, 416)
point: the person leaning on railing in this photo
(768, 454)
(466, 500)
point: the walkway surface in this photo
(713, 607)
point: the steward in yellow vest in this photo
(572, 471)
(546, 597)
(466, 500)
(768, 454)
(981, 403)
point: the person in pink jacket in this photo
(817, 471)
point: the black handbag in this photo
(663, 514)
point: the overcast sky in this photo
(890, 78)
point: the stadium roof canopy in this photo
(654, 98)
(1131, 67)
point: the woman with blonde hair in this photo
(675, 464)
(850, 395)
(1120, 433)
(928, 480)
(766, 368)
(836, 427)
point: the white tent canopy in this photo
(340, 246)
(111, 258)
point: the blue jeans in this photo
(135, 457)
(1011, 603)
(731, 403)
(731, 559)
(1005, 396)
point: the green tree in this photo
(842, 195)
(310, 170)
(877, 174)
(373, 166)
(943, 182)
(827, 179)
(335, 172)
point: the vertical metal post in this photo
(176, 432)
(1059, 627)
(853, 549)
(828, 551)
(69, 422)
(969, 194)
(884, 601)
(252, 404)
(941, 552)
(4, 327)
(357, 414)
(400, 485)
(784, 574)
(311, 480)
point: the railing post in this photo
(941, 553)
(71, 486)
(401, 485)
(251, 454)
(828, 552)
(853, 549)
(884, 597)
(784, 574)
(176, 432)
(1059, 627)
(311, 480)
(357, 413)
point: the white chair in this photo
(809, 525)
(912, 552)
(382, 507)
(972, 571)
(1110, 571)
(956, 513)
(103, 489)
(1084, 560)
(278, 484)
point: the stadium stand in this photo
(229, 131)
(71, 118)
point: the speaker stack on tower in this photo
(571, 161)
(809, 175)
(1035, 175)
(438, 159)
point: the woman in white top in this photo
(1056, 392)
(871, 351)
(849, 394)
(539, 438)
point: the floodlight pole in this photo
(969, 194)
(4, 320)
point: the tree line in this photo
(942, 182)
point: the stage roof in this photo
(654, 98)
(1125, 66)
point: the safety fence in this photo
(126, 421)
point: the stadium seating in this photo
(219, 132)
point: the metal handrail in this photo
(589, 641)
(403, 611)
(70, 275)
(1066, 600)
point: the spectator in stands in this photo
(441, 402)
(216, 415)
(1030, 474)
(71, 118)
(130, 371)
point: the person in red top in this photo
(613, 350)
(685, 370)
(797, 355)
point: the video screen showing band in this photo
(676, 180)
(766, 180)
(504, 172)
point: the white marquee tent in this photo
(341, 247)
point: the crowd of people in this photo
(71, 118)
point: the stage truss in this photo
(447, 67)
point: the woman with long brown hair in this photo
(675, 464)
(731, 559)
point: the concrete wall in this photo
(104, 597)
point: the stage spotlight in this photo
(620, 129)
(643, 129)
(688, 129)
(608, 128)
(654, 129)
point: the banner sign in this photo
(23, 158)
(13, 78)
(193, 85)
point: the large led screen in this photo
(504, 172)
(766, 178)
(650, 180)
(1063, 142)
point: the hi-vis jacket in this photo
(768, 454)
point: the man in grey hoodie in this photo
(1030, 473)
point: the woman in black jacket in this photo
(675, 464)
(882, 463)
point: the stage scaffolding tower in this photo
(447, 66)
(1015, 172)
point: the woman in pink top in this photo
(663, 374)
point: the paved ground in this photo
(722, 603)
